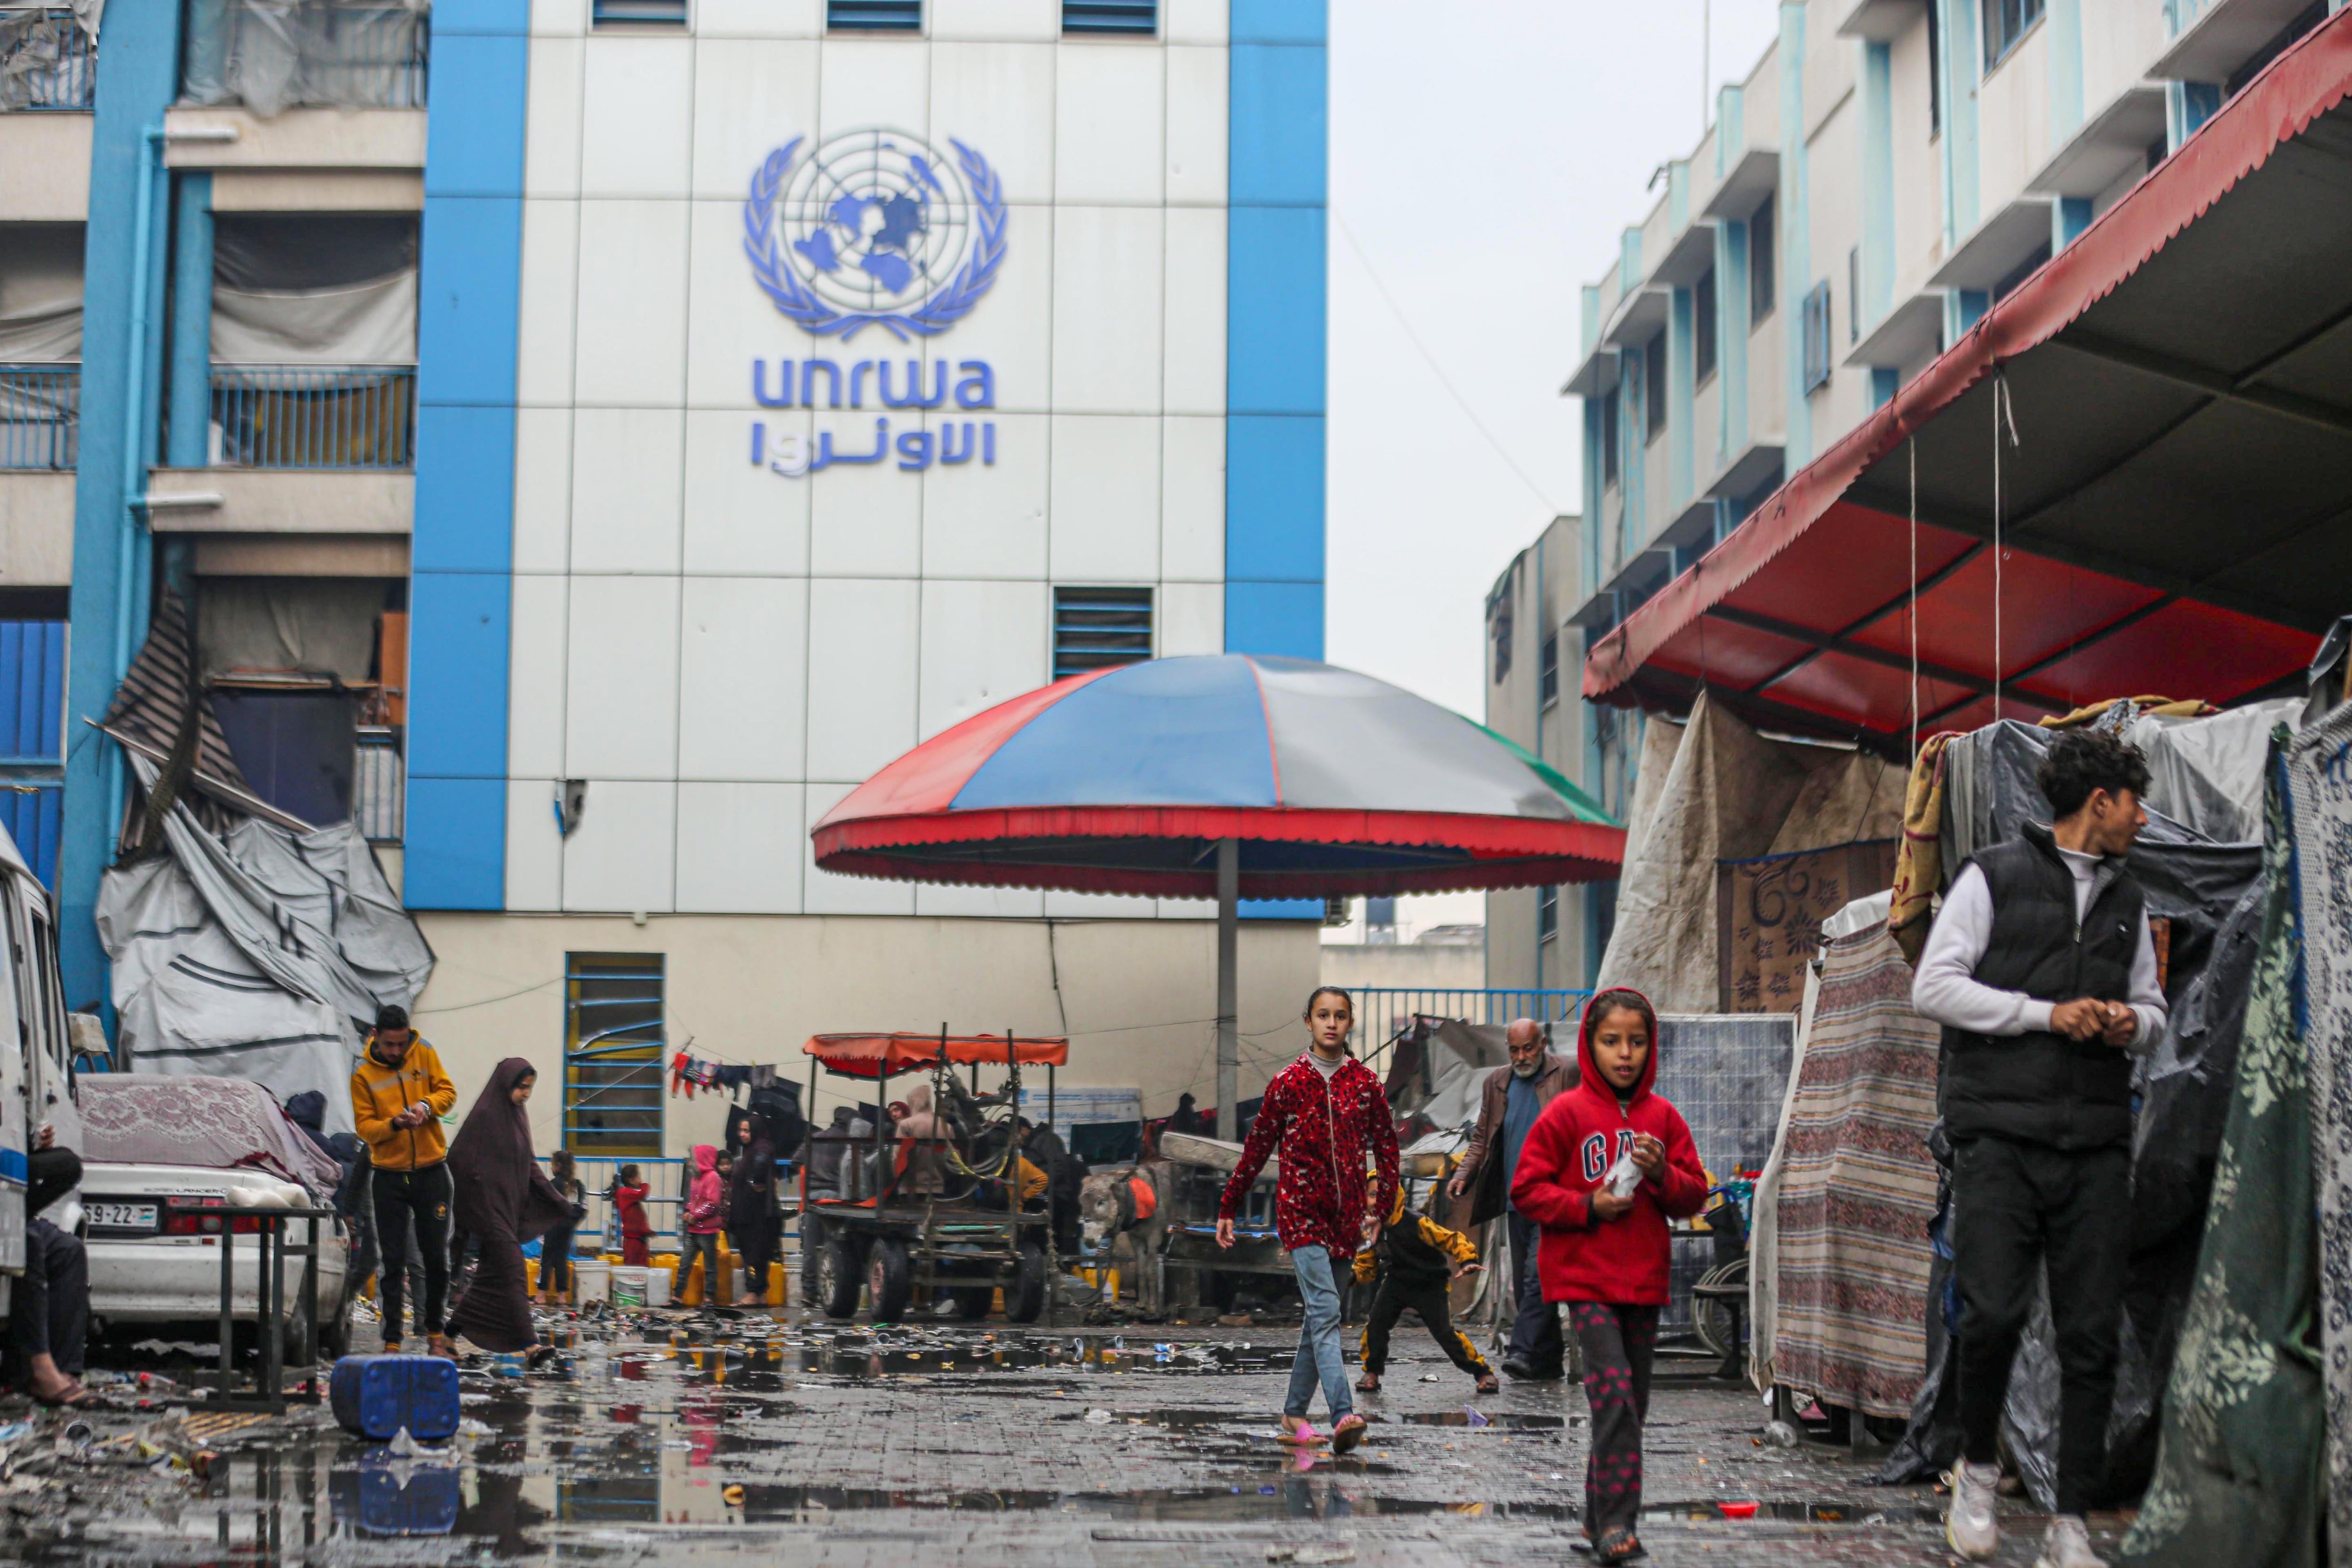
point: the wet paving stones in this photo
(788, 1441)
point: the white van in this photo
(35, 1052)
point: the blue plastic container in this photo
(376, 1498)
(376, 1395)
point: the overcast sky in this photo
(1484, 159)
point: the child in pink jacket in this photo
(704, 1198)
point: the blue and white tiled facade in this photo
(612, 580)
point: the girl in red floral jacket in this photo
(1325, 1111)
(1604, 1254)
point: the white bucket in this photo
(592, 1280)
(657, 1281)
(629, 1286)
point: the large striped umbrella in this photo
(1224, 776)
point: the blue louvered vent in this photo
(638, 12)
(1098, 627)
(1133, 17)
(874, 15)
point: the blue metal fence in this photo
(315, 416)
(32, 708)
(1382, 1012)
(46, 61)
(40, 415)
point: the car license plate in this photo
(105, 1216)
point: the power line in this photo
(1443, 380)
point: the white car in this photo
(160, 1150)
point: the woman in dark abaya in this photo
(503, 1200)
(753, 1221)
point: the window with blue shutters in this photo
(1097, 627)
(1134, 17)
(874, 15)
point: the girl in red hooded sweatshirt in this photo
(1604, 1168)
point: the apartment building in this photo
(590, 436)
(1540, 938)
(1887, 171)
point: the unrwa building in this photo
(643, 419)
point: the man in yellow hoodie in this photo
(400, 1091)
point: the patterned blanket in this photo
(1858, 1187)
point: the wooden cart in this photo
(938, 1212)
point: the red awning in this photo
(886, 1055)
(2172, 512)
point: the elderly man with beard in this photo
(1514, 1095)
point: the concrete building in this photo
(1540, 938)
(1886, 171)
(635, 422)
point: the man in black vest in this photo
(2042, 969)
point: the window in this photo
(2005, 22)
(2251, 66)
(1609, 434)
(1095, 628)
(32, 740)
(1762, 285)
(1854, 294)
(1703, 327)
(1935, 70)
(615, 1043)
(1817, 335)
(1653, 387)
(2021, 272)
(637, 13)
(1499, 619)
(1136, 18)
(1546, 913)
(874, 15)
(1548, 672)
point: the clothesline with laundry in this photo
(689, 1073)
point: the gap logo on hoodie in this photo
(1597, 1156)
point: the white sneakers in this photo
(1972, 1524)
(2068, 1545)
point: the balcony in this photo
(329, 53)
(314, 416)
(46, 61)
(40, 415)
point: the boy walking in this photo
(1418, 1260)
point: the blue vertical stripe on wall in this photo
(1877, 186)
(32, 725)
(189, 429)
(461, 589)
(138, 77)
(1794, 231)
(1278, 153)
(1681, 388)
(1732, 323)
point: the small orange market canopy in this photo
(881, 1056)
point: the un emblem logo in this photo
(875, 228)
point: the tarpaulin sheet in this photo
(258, 954)
(1726, 794)
(1728, 1074)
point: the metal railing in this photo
(46, 61)
(314, 416)
(1382, 1012)
(335, 54)
(40, 415)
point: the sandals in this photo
(1297, 1432)
(75, 1399)
(1347, 1432)
(1368, 1383)
(1618, 1545)
(1490, 1384)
